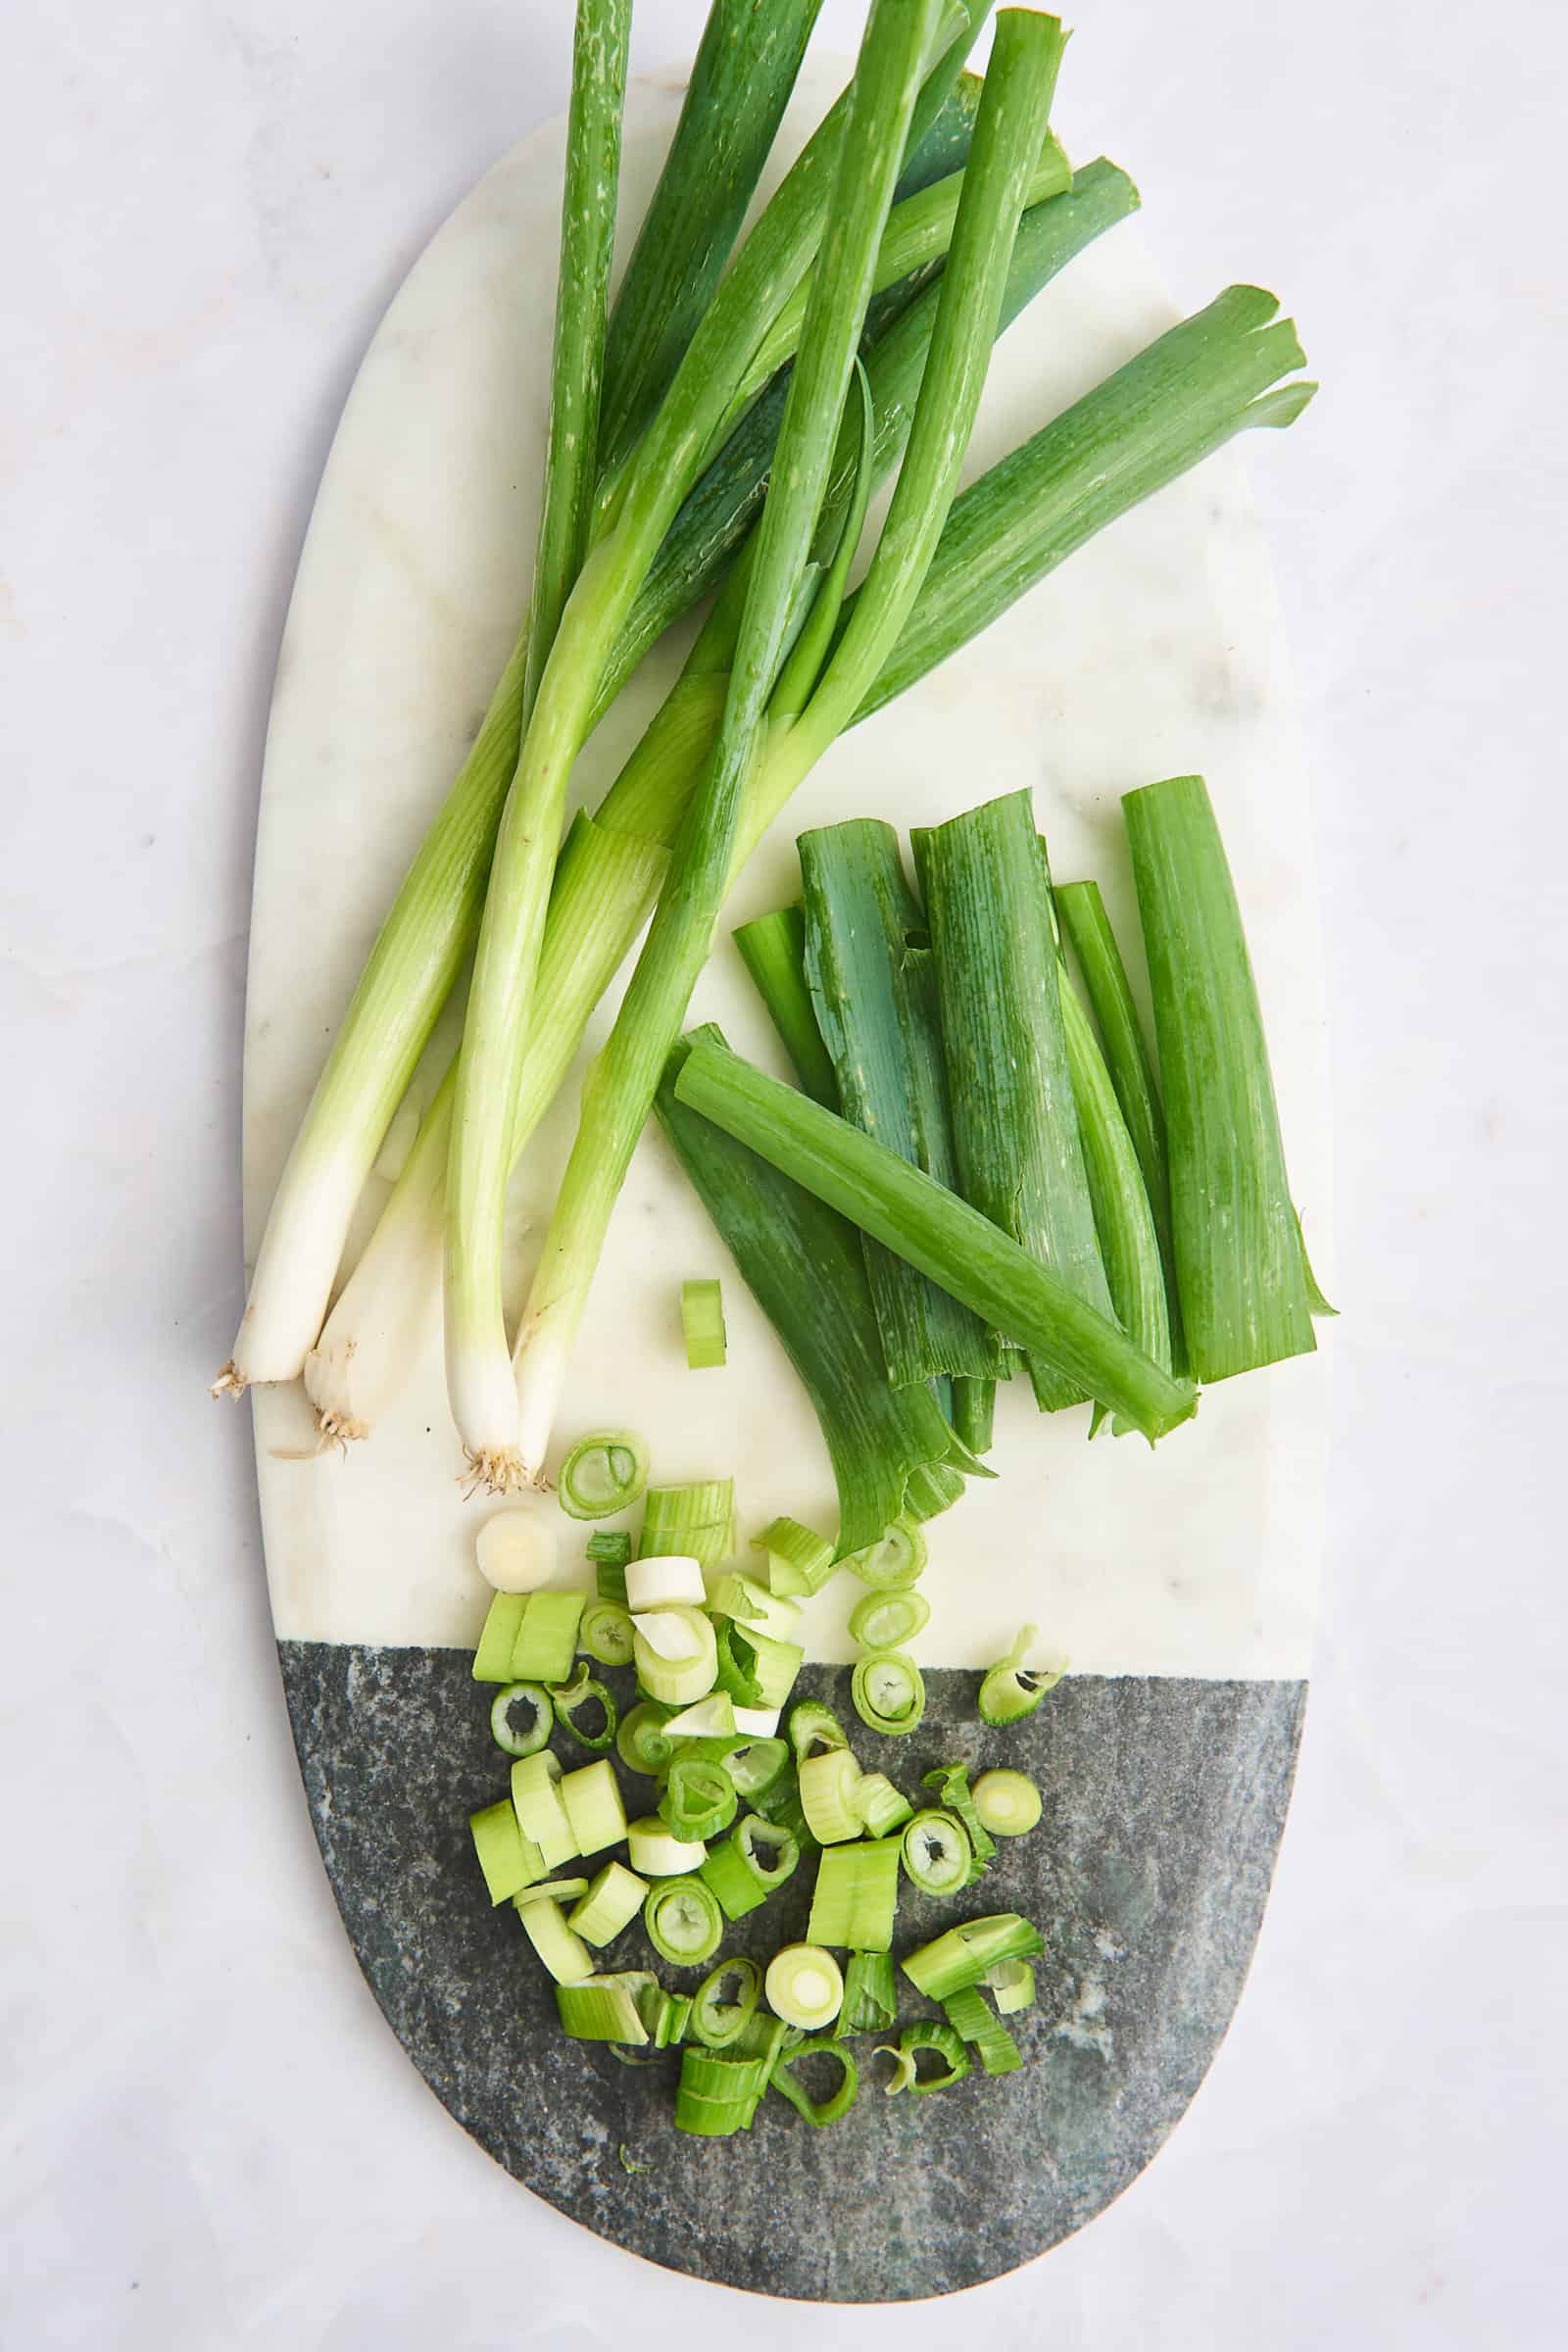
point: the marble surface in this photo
(208, 208)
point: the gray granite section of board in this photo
(1148, 1876)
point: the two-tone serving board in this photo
(1181, 1585)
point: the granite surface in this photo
(1148, 1876)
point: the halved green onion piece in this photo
(856, 1896)
(889, 1692)
(813, 1726)
(963, 1954)
(744, 1871)
(1011, 1983)
(937, 1853)
(641, 1741)
(799, 1559)
(725, 2001)
(603, 1472)
(662, 1582)
(683, 1920)
(564, 1954)
(736, 1595)
(756, 1764)
(606, 1632)
(969, 2013)
(698, 1798)
(817, 2111)
(926, 2035)
(541, 1814)
(515, 1549)
(882, 1807)
(870, 1995)
(828, 1782)
(710, 1718)
(604, 2008)
(521, 1718)
(804, 1986)
(1010, 1689)
(656, 1853)
(888, 1620)
(755, 1670)
(671, 2019)
(594, 1807)
(585, 1695)
(613, 1897)
(1008, 1802)
(697, 1520)
(893, 1562)
(610, 1548)
(676, 1654)
(773, 951)
(492, 1660)
(758, 1723)
(951, 1784)
(702, 1320)
(509, 1860)
(547, 1639)
(903, 2077)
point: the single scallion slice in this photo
(642, 1742)
(870, 1995)
(889, 1692)
(603, 1472)
(656, 1853)
(799, 1559)
(756, 1763)
(1012, 1984)
(564, 1954)
(773, 951)
(1010, 1689)
(725, 2002)
(613, 1899)
(882, 1807)
(509, 1860)
(903, 2077)
(758, 1723)
(657, 1584)
(606, 1632)
(698, 1798)
(841, 2100)
(585, 1696)
(541, 1814)
(741, 1597)
(969, 2013)
(936, 1852)
(755, 1670)
(1008, 1802)
(498, 1638)
(610, 1548)
(745, 1869)
(925, 2035)
(964, 1953)
(547, 1639)
(888, 1620)
(896, 1560)
(708, 1719)
(592, 1798)
(702, 1322)
(515, 1549)
(697, 1520)
(804, 1986)
(856, 1896)
(951, 1784)
(683, 1920)
(719, 2090)
(828, 1782)
(603, 2008)
(814, 1725)
(676, 1654)
(521, 1718)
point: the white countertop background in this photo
(210, 2138)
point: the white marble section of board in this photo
(1155, 651)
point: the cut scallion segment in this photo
(1008, 1802)
(841, 2100)
(592, 1798)
(609, 1550)
(828, 1781)
(719, 2090)
(509, 1860)
(642, 1742)
(889, 1692)
(521, 1718)
(947, 2046)
(656, 1853)
(587, 1710)
(564, 1954)
(1239, 1262)
(870, 1995)
(1012, 1984)
(745, 1869)
(936, 1852)
(702, 1322)
(656, 1584)
(856, 1896)
(969, 2013)
(943, 1236)
(882, 1807)
(888, 1620)
(755, 1670)
(547, 1638)
(780, 1806)
(903, 2077)
(676, 1654)
(812, 1727)
(962, 1955)
(603, 1472)
(683, 1920)
(951, 1784)
(698, 1798)
(1010, 1689)
(606, 1632)
(673, 2018)
(492, 1659)
(756, 1763)
(516, 1551)
(554, 1890)
(725, 2002)
(893, 1563)
(799, 1559)
(710, 1718)
(773, 951)
(758, 1723)
(758, 1609)
(604, 2008)
(804, 1986)
(936, 1487)
(541, 1814)
(613, 1897)
(696, 1520)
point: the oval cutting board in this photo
(1180, 1586)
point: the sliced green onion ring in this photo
(870, 1995)
(1012, 1984)
(717, 2021)
(926, 2035)
(660, 1581)
(594, 1807)
(744, 1871)
(888, 1620)
(1010, 1689)
(698, 1798)
(813, 1726)
(964, 1953)
(604, 2008)
(805, 1986)
(522, 1739)
(893, 1563)
(889, 1692)
(676, 1654)
(585, 1690)
(969, 2013)
(710, 1718)
(753, 1765)
(856, 1896)
(701, 1319)
(951, 1784)
(603, 1472)
(541, 1814)
(882, 1807)
(1008, 1802)
(937, 1853)
(609, 1903)
(683, 1920)
(817, 2111)
(657, 1853)
(564, 1954)
(606, 1632)
(757, 1609)
(828, 1783)
(799, 1559)
(642, 1742)
(904, 2068)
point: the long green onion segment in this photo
(856, 1896)
(896, 1560)
(656, 1852)
(1239, 1260)
(642, 1742)
(962, 1955)
(683, 1921)
(697, 1520)
(870, 1995)
(876, 1010)
(564, 1955)
(1017, 1148)
(619, 1091)
(547, 1638)
(814, 1727)
(942, 1235)
(741, 80)
(541, 1814)
(725, 2002)
(605, 1471)
(521, 1718)
(1124, 1223)
(841, 2100)
(613, 1897)
(951, 1784)
(698, 1799)
(604, 2008)
(888, 1620)
(498, 1638)
(1011, 1985)
(702, 1323)
(515, 1550)
(608, 873)
(758, 1671)
(585, 1693)
(1008, 1802)
(594, 1808)
(804, 1986)
(882, 1807)
(974, 1413)
(937, 1853)
(1010, 1689)
(606, 1632)
(1081, 912)
(772, 949)
(746, 1868)
(828, 1782)
(915, 2040)
(662, 1581)
(889, 1692)
(704, 1722)
(736, 1595)
(509, 1860)
(799, 1559)
(676, 1654)
(969, 2013)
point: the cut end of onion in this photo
(341, 1430)
(494, 1470)
(515, 1549)
(230, 1382)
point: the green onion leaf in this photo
(773, 951)
(936, 1853)
(610, 1550)
(974, 1413)
(603, 1472)
(683, 1920)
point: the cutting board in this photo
(1180, 1584)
